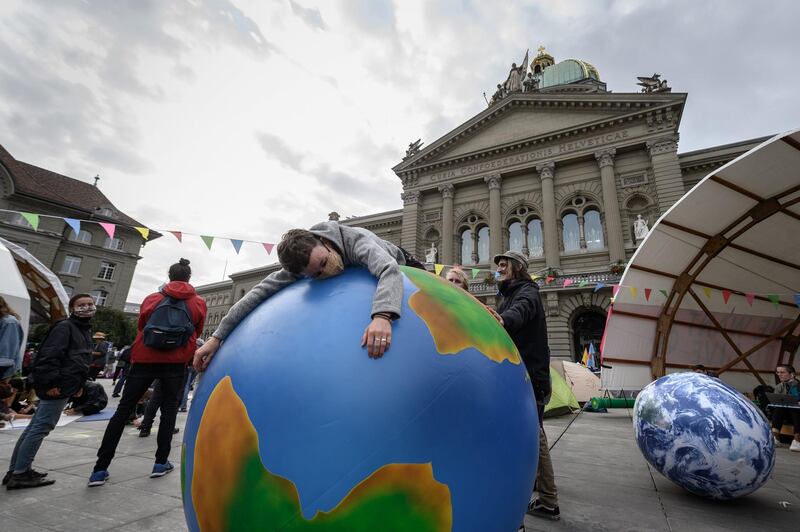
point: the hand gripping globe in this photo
(703, 435)
(294, 428)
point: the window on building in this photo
(225, 299)
(571, 232)
(515, 237)
(14, 218)
(84, 237)
(100, 297)
(116, 244)
(105, 211)
(106, 271)
(466, 247)
(69, 290)
(593, 229)
(483, 245)
(71, 265)
(535, 238)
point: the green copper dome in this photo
(565, 72)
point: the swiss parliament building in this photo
(557, 167)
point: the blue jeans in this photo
(189, 376)
(43, 422)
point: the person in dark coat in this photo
(59, 371)
(522, 315)
(89, 400)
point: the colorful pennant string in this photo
(110, 229)
(208, 240)
(237, 245)
(438, 268)
(32, 219)
(74, 224)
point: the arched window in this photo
(116, 244)
(593, 229)
(515, 237)
(467, 247)
(535, 238)
(84, 237)
(571, 232)
(483, 245)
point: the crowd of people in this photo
(156, 372)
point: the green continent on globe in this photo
(232, 490)
(457, 320)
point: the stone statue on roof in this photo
(530, 84)
(514, 81)
(413, 148)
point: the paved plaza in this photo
(603, 482)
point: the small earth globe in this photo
(703, 435)
(295, 428)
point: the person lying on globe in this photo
(318, 253)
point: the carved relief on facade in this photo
(663, 145)
(531, 200)
(591, 190)
(410, 198)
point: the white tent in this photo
(13, 289)
(47, 296)
(716, 281)
(583, 383)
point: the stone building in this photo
(556, 167)
(89, 261)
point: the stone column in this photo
(550, 222)
(581, 233)
(666, 171)
(616, 247)
(410, 231)
(447, 191)
(495, 216)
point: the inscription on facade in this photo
(633, 180)
(535, 155)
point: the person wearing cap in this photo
(521, 313)
(99, 355)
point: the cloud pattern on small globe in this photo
(704, 436)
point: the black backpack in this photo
(169, 326)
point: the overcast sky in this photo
(245, 118)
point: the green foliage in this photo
(120, 330)
(37, 333)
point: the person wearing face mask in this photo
(59, 371)
(170, 321)
(321, 252)
(521, 313)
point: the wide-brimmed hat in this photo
(99, 336)
(512, 255)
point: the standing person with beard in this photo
(170, 321)
(522, 314)
(59, 371)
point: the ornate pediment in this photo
(523, 120)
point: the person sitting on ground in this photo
(788, 385)
(88, 400)
(458, 278)
(9, 403)
(318, 253)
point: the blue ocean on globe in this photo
(441, 431)
(704, 436)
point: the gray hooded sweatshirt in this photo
(359, 247)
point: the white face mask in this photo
(85, 311)
(333, 266)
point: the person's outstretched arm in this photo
(259, 293)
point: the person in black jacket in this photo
(89, 400)
(522, 314)
(59, 371)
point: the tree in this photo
(119, 329)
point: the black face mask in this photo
(80, 319)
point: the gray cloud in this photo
(310, 16)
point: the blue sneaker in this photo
(159, 470)
(98, 478)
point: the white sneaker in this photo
(795, 446)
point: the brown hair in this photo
(76, 297)
(6, 310)
(518, 270)
(787, 367)
(294, 249)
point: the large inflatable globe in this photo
(703, 435)
(294, 428)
